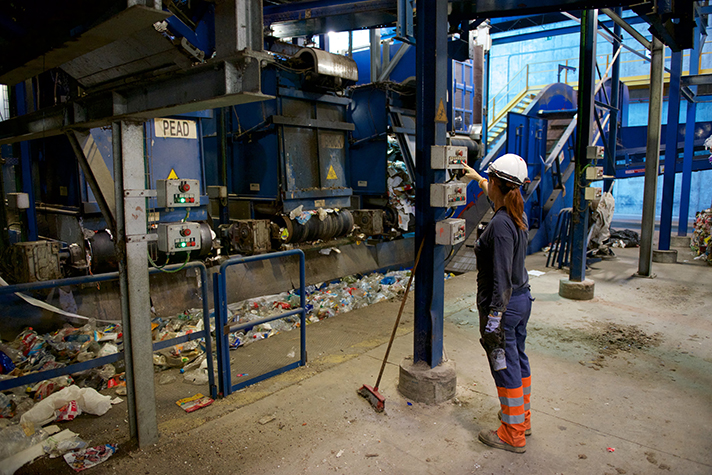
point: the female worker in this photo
(503, 299)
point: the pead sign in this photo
(176, 128)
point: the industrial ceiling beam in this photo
(224, 84)
(629, 29)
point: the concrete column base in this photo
(680, 241)
(569, 289)
(421, 383)
(665, 257)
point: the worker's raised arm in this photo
(471, 174)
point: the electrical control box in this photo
(178, 193)
(591, 193)
(594, 173)
(179, 237)
(447, 195)
(450, 231)
(594, 152)
(447, 157)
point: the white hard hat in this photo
(511, 168)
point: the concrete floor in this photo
(630, 370)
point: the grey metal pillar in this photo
(130, 178)
(375, 41)
(587, 68)
(652, 159)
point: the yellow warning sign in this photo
(172, 175)
(332, 174)
(441, 116)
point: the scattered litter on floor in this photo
(194, 403)
(611, 449)
(340, 453)
(323, 300)
(701, 236)
(267, 419)
(89, 457)
(65, 441)
(535, 273)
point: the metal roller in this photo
(338, 223)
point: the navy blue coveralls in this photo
(503, 286)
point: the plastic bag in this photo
(55, 448)
(14, 439)
(88, 400)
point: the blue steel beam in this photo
(689, 141)
(26, 166)
(431, 80)
(587, 65)
(609, 165)
(670, 151)
(565, 30)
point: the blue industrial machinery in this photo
(289, 154)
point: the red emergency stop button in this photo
(184, 187)
(185, 232)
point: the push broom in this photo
(371, 392)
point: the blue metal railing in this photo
(222, 330)
(96, 362)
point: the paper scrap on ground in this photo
(89, 457)
(536, 273)
(194, 403)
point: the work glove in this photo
(493, 341)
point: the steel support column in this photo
(375, 42)
(222, 161)
(485, 103)
(652, 159)
(431, 84)
(670, 151)
(26, 165)
(132, 247)
(610, 165)
(689, 142)
(584, 121)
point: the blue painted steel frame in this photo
(221, 330)
(431, 84)
(689, 142)
(96, 362)
(461, 90)
(670, 151)
(26, 166)
(610, 163)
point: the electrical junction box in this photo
(447, 195)
(591, 193)
(450, 231)
(17, 201)
(178, 193)
(179, 237)
(594, 152)
(594, 173)
(447, 157)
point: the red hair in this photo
(512, 201)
